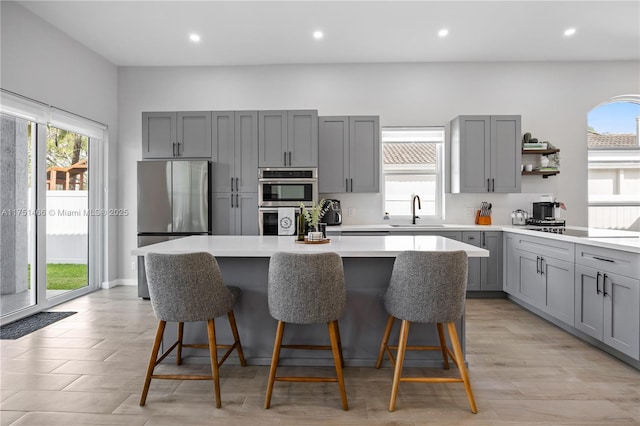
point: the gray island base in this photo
(367, 274)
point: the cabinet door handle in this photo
(493, 185)
(231, 199)
(173, 146)
(231, 184)
(598, 283)
(289, 157)
(537, 264)
(177, 149)
(237, 184)
(237, 200)
(285, 157)
(604, 285)
(351, 181)
(482, 239)
(604, 260)
(346, 184)
(488, 185)
(542, 262)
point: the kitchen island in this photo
(368, 261)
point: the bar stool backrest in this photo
(306, 288)
(427, 287)
(186, 287)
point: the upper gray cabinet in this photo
(486, 153)
(235, 151)
(288, 138)
(176, 134)
(349, 154)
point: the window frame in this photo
(439, 170)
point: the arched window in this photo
(614, 164)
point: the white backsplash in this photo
(367, 209)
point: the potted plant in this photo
(313, 214)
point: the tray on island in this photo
(306, 241)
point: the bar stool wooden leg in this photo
(339, 345)
(152, 361)
(236, 338)
(213, 353)
(385, 341)
(334, 337)
(443, 345)
(179, 347)
(402, 347)
(274, 363)
(457, 350)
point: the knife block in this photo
(482, 220)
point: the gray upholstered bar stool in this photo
(307, 288)
(426, 287)
(187, 288)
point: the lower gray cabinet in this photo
(607, 308)
(511, 270)
(235, 213)
(546, 283)
(485, 273)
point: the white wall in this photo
(43, 63)
(553, 99)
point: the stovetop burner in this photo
(546, 222)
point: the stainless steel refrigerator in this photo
(173, 202)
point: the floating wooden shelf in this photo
(540, 151)
(544, 173)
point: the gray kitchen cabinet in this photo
(486, 153)
(485, 273)
(176, 134)
(349, 154)
(288, 138)
(511, 267)
(547, 284)
(235, 151)
(540, 272)
(235, 213)
(607, 303)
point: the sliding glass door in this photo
(50, 220)
(17, 219)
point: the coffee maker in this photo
(333, 216)
(545, 210)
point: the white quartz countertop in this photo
(623, 240)
(345, 246)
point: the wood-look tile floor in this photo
(88, 369)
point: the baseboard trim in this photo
(122, 281)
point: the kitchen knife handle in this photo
(604, 285)
(598, 283)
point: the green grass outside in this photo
(64, 276)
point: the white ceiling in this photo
(155, 33)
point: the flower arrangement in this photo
(314, 213)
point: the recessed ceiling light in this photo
(318, 35)
(569, 31)
(443, 32)
(194, 38)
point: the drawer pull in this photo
(604, 260)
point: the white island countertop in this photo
(348, 246)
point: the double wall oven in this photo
(280, 192)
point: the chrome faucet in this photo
(413, 208)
